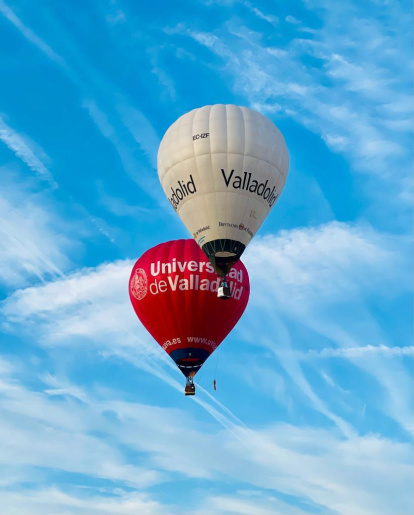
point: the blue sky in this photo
(313, 412)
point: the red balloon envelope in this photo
(173, 289)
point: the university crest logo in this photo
(139, 284)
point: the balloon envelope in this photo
(173, 290)
(223, 168)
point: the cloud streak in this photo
(110, 109)
(31, 36)
(357, 102)
(34, 242)
(324, 280)
(23, 151)
(358, 352)
(316, 466)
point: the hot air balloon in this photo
(173, 292)
(223, 168)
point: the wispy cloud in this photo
(251, 502)
(282, 351)
(110, 109)
(30, 35)
(52, 500)
(118, 16)
(141, 130)
(358, 352)
(291, 19)
(318, 346)
(80, 292)
(318, 467)
(103, 123)
(33, 416)
(328, 85)
(32, 241)
(90, 305)
(326, 284)
(20, 146)
(329, 262)
(273, 20)
(301, 273)
(143, 134)
(118, 206)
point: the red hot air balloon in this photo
(173, 292)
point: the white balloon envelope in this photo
(223, 168)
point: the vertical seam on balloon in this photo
(171, 246)
(223, 240)
(244, 164)
(203, 193)
(183, 310)
(191, 199)
(228, 160)
(241, 111)
(207, 213)
(190, 254)
(214, 181)
(197, 252)
(211, 159)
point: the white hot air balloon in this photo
(223, 168)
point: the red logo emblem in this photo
(139, 284)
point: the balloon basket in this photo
(189, 387)
(223, 291)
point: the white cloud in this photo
(277, 52)
(141, 130)
(116, 17)
(325, 279)
(136, 125)
(140, 445)
(111, 111)
(358, 352)
(292, 19)
(273, 20)
(302, 274)
(52, 500)
(30, 35)
(355, 76)
(244, 505)
(263, 379)
(90, 303)
(89, 309)
(29, 417)
(167, 83)
(102, 121)
(20, 146)
(119, 207)
(33, 244)
(328, 263)
(210, 41)
(87, 286)
(63, 387)
(5, 367)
